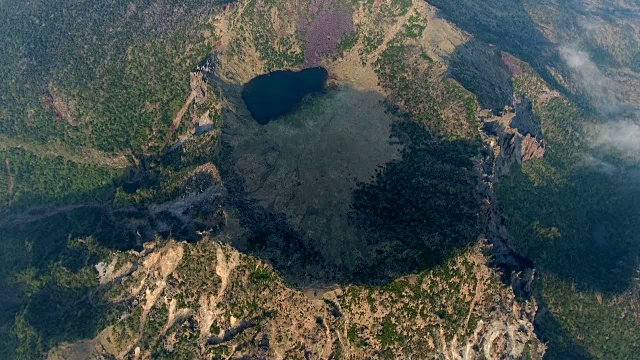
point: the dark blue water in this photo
(278, 93)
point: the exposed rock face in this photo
(197, 209)
(206, 300)
(510, 146)
(530, 148)
(198, 86)
(517, 270)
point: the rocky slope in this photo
(206, 300)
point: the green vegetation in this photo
(56, 287)
(602, 56)
(508, 25)
(371, 42)
(259, 29)
(423, 206)
(156, 321)
(347, 42)
(409, 312)
(480, 69)
(114, 86)
(592, 218)
(396, 7)
(195, 274)
(41, 179)
(70, 107)
(424, 94)
(352, 334)
(415, 27)
(50, 273)
(167, 176)
(577, 224)
(261, 275)
(29, 344)
(95, 95)
(389, 333)
(606, 325)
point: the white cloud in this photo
(600, 165)
(621, 137)
(591, 79)
(592, 25)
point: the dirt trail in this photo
(478, 293)
(390, 34)
(80, 156)
(11, 181)
(178, 118)
(41, 212)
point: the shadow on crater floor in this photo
(344, 191)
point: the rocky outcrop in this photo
(206, 300)
(198, 86)
(530, 148)
(509, 145)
